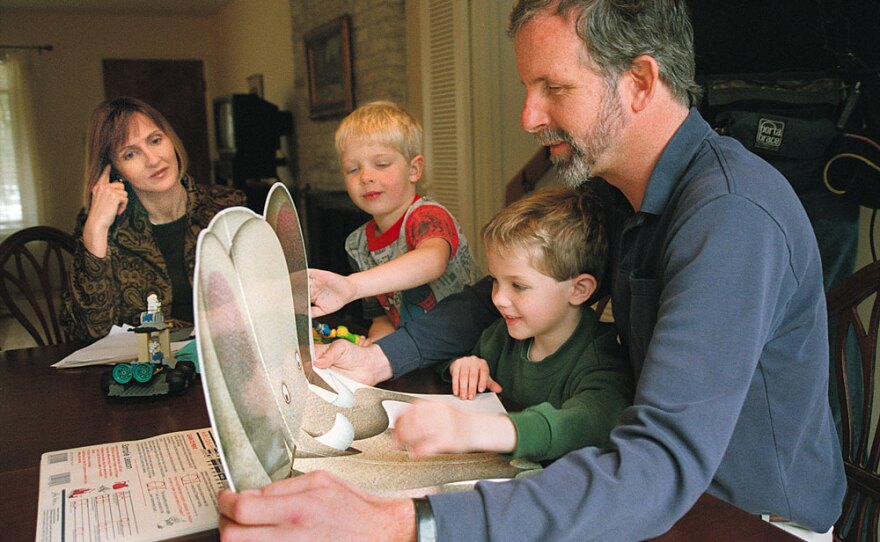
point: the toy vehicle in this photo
(138, 379)
(156, 371)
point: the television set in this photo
(248, 131)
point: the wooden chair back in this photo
(33, 273)
(854, 310)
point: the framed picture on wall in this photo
(328, 60)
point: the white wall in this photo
(257, 41)
(68, 82)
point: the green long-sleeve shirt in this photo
(572, 398)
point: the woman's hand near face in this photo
(108, 201)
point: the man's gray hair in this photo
(615, 32)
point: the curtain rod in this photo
(39, 48)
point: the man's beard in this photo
(575, 169)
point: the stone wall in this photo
(378, 38)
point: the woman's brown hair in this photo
(108, 129)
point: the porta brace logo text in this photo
(769, 134)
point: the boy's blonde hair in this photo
(562, 229)
(381, 122)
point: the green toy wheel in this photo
(122, 373)
(143, 372)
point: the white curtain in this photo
(19, 204)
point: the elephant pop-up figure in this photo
(255, 344)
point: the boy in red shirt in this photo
(412, 253)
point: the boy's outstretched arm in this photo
(427, 262)
(431, 427)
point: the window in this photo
(18, 205)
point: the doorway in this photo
(176, 88)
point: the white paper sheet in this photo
(156, 488)
(483, 403)
(152, 489)
(119, 345)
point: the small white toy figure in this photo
(154, 345)
(153, 314)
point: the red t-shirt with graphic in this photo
(424, 222)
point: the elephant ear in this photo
(255, 388)
(280, 213)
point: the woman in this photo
(141, 218)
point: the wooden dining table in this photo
(43, 409)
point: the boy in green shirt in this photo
(548, 353)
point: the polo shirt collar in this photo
(674, 162)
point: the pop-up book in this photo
(272, 413)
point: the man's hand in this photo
(314, 506)
(365, 364)
(432, 427)
(329, 291)
(470, 375)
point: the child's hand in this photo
(432, 427)
(428, 427)
(471, 375)
(329, 291)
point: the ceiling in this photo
(121, 7)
